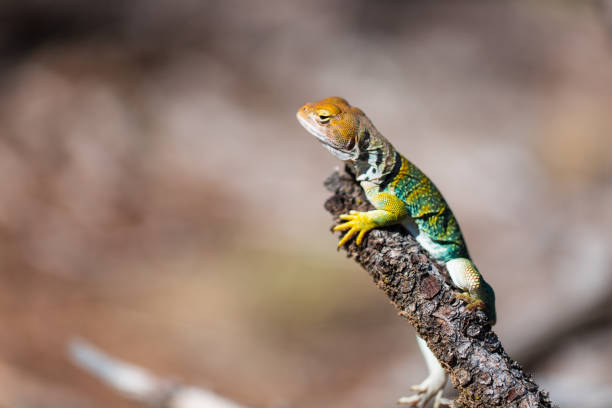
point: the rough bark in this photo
(420, 289)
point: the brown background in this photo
(159, 199)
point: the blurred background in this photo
(159, 199)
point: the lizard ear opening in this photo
(351, 144)
(364, 139)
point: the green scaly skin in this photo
(405, 193)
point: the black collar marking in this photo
(389, 177)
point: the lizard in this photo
(401, 194)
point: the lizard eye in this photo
(324, 118)
(323, 115)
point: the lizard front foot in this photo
(357, 222)
(473, 303)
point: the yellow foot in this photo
(357, 222)
(472, 302)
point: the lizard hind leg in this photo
(432, 387)
(478, 294)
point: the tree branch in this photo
(461, 340)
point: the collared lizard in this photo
(400, 194)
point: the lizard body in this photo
(400, 193)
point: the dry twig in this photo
(139, 384)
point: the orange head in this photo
(336, 124)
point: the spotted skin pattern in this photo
(400, 193)
(428, 209)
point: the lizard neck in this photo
(376, 160)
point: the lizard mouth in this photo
(340, 153)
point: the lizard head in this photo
(337, 125)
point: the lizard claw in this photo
(472, 302)
(356, 223)
(419, 401)
(420, 388)
(425, 392)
